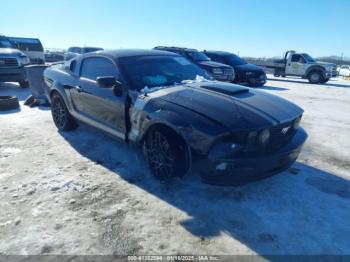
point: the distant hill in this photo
(335, 60)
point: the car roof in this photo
(119, 53)
(175, 48)
(223, 53)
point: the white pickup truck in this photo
(303, 65)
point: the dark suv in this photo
(218, 71)
(247, 74)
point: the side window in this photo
(295, 58)
(217, 58)
(298, 59)
(97, 66)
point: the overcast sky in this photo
(247, 27)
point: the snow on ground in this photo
(83, 192)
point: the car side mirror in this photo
(118, 88)
(110, 82)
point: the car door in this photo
(95, 104)
(296, 66)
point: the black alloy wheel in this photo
(167, 154)
(60, 114)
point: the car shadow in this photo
(274, 88)
(301, 211)
(292, 80)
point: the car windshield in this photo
(156, 71)
(27, 44)
(198, 56)
(4, 43)
(235, 60)
(91, 49)
(309, 58)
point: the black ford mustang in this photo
(166, 104)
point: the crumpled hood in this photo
(213, 64)
(234, 107)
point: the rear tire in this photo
(60, 114)
(315, 77)
(24, 84)
(167, 154)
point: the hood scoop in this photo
(225, 88)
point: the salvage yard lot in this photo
(83, 192)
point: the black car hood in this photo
(248, 68)
(234, 107)
(212, 64)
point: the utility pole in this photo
(341, 58)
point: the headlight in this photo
(24, 60)
(264, 137)
(218, 71)
(296, 123)
(221, 150)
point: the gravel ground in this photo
(83, 192)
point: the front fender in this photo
(198, 132)
(316, 68)
(167, 118)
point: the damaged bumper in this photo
(241, 170)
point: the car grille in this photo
(278, 139)
(334, 71)
(8, 62)
(228, 72)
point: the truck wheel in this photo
(24, 84)
(167, 154)
(60, 114)
(324, 80)
(315, 77)
(8, 103)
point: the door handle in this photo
(79, 89)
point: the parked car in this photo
(246, 74)
(12, 62)
(32, 47)
(74, 51)
(165, 104)
(218, 71)
(303, 65)
(53, 57)
(344, 70)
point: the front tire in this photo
(60, 114)
(315, 77)
(324, 80)
(167, 154)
